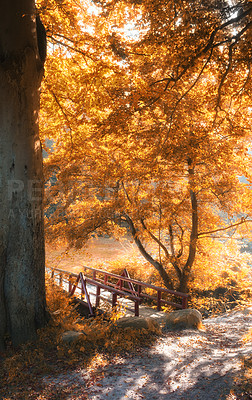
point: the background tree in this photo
(22, 286)
(169, 198)
(161, 144)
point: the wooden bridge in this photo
(92, 286)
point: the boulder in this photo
(71, 336)
(138, 323)
(247, 311)
(183, 319)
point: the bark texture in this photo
(22, 259)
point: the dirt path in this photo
(186, 365)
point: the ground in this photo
(186, 365)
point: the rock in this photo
(183, 319)
(247, 311)
(138, 323)
(71, 336)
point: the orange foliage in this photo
(150, 128)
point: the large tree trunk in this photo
(22, 260)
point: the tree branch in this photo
(230, 58)
(159, 267)
(184, 95)
(64, 114)
(174, 258)
(210, 43)
(155, 239)
(75, 49)
(242, 221)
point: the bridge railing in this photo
(133, 286)
(117, 286)
(80, 286)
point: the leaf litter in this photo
(180, 365)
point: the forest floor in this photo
(189, 365)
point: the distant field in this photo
(98, 252)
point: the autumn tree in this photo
(22, 268)
(155, 131)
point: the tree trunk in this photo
(22, 262)
(159, 267)
(185, 276)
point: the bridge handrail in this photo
(99, 285)
(136, 282)
(149, 285)
(140, 284)
(111, 289)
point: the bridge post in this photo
(137, 308)
(98, 292)
(70, 283)
(114, 299)
(60, 280)
(184, 302)
(159, 300)
(82, 292)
